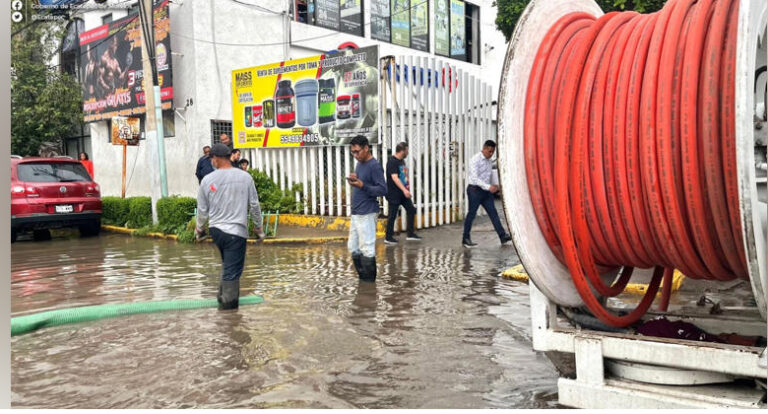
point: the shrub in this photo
(272, 198)
(114, 210)
(139, 212)
(173, 213)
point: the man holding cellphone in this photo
(367, 185)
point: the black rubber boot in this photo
(368, 273)
(356, 259)
(229, 294)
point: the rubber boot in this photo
(229, 294)
(356, 259)
(368, 273)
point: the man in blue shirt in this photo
(367, 185)
(204, 165)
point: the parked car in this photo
(49, 193)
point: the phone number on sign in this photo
(294, 139)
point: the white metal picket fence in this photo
(442, 112)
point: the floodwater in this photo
(439, 328)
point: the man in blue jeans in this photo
(480, 192)
(367, 185)
(226, 199)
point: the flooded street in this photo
(439, 328)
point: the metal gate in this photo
(444, 113)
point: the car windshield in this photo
(64, 172)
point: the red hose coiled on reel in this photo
(630, 148)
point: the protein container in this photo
(284, 103)
(258, 116)
(269, 113)
(306, 102)
(327, 101)
(357, 109)
(343, 107)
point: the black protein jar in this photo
(285, 106)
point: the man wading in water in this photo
(226, 198)
(367, 185)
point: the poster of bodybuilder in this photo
(112, 68)
(319, 100)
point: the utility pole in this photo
(154, 106)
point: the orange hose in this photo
(630, 154)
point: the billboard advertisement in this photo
(327, 14)
(401, 22)
(420, 25)
(442, 27)
(351, 16)
(458, 29)
(380, 29)
(113, 73)
(319, 100)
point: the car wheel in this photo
(14, 234)
(41, 235)
(91, 229)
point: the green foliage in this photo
(145, 230)
(114, 210)
(272, 198)
(173, 213)
(509, 11)
(187, 233)
(139, 212)
(46, 104)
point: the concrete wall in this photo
(244, 36)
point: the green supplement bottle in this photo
(327, 101)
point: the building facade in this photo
(210, 39)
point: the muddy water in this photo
(439, 329)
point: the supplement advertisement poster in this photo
(319, 100)
(458, 29)
(401, 22)
(442, 27)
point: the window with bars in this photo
(219, 127)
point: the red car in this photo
(48, 193)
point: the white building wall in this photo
(209, 39)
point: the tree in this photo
(509, 11)
(45, 103)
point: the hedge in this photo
(114, 210)
(139, 212)
(272, 199)
(173, 213)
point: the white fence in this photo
(442, 112)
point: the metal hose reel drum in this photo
(546, 271)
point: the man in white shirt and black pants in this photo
(480, 192)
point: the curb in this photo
(518, 273)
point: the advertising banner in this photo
(420, 25)
(442, 27)
(351, 17)
(458, 29)
(401, 22)
(380, 20)
(125, 130)
(319, 100)
(112, 69)
(327, 14)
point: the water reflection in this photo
(439, 329)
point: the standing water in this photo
(439, 328)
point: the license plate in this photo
(64, 209)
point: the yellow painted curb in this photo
(518, 273)
(323, 222)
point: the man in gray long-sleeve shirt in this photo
(367, 185)
(226, 199)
